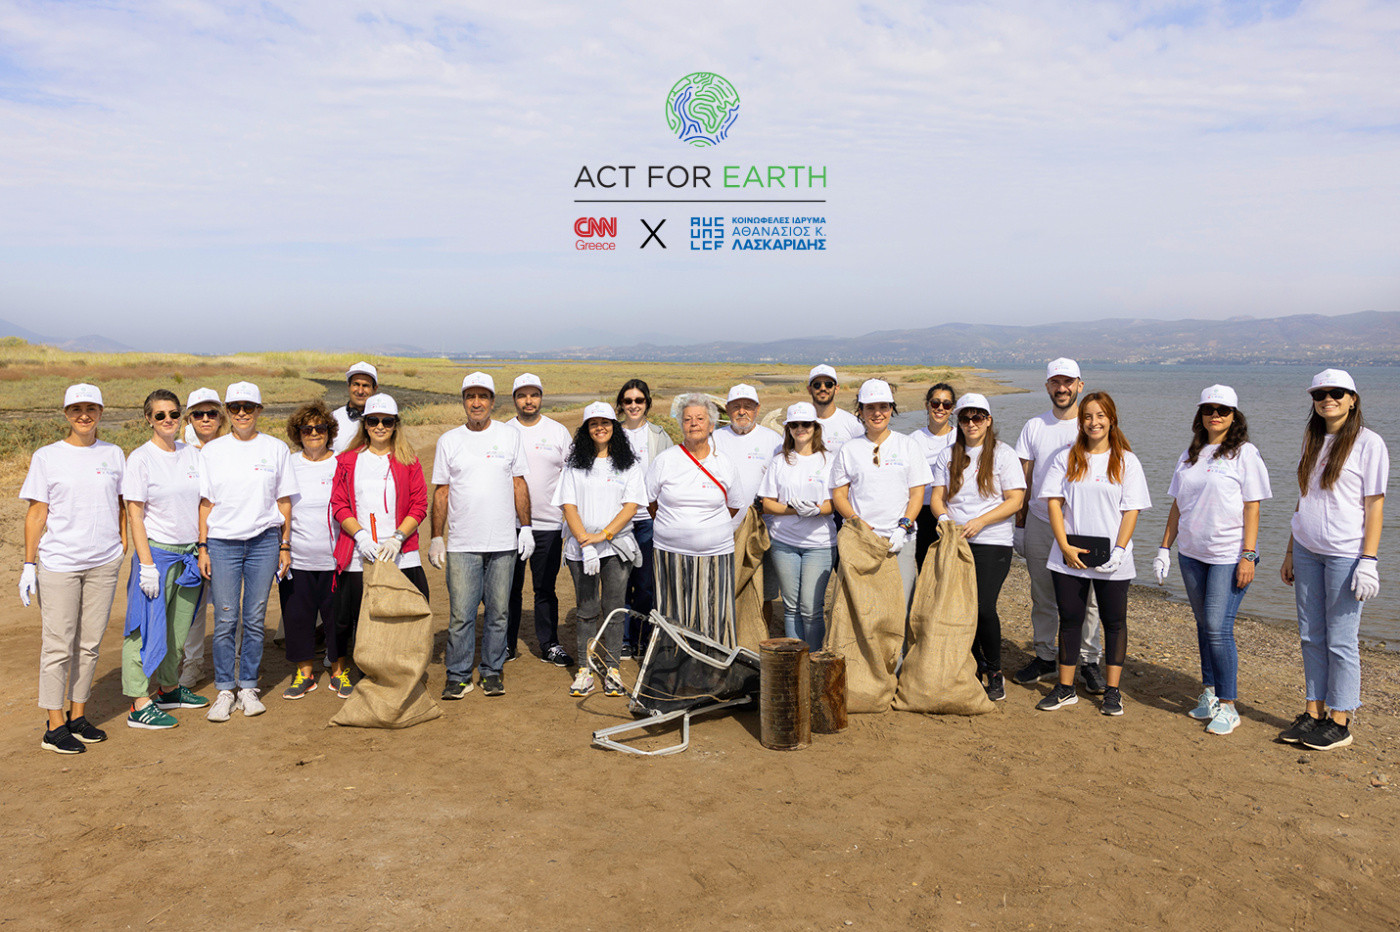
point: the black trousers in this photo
(641, 588)
(349, 593)
(1072, 595)
(992, 562)
(925, 534)
(303, 598)
(544, 572)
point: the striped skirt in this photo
(697, 593)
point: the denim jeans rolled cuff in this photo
(1214, 598)
(803, 574)
(1329, 625)
(241, 582)
(474, 580)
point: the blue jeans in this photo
(241, 571)
(641, 586)
(474, 578)
(1215, 599)
(802, 578)
(1329, 624)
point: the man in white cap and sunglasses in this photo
(362, 380)
(546, 444)
(1044, 436)
(838, 424)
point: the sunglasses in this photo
(876, 458)
(801, 425)
(972, 417)
(634, 401)
(242, 407)
(309, 429)
(201, 415)
(1216, 411)
(946, 405)
(162, 415)
(1322, 394)
(824, 384)
(374, 420)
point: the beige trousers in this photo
(74, 608)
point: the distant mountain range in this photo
(91, 343)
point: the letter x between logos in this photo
(651, 234)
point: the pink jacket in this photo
(411, 494)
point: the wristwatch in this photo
(400, 536)
(905, 524)
(1251, 555)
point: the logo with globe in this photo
(701, 108)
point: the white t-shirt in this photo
(346, 430)
(314, 531)
(840, 427)
(1041, 439)
(692, 514)
(1095, 506)
(599, 494)
(244, 479)
(1210, 497)
(968, 502)
(1332, 524)
(479, 469)
(547, 445)
(806, 478)
(750, 454)
(81, 486)
(168, 483)
(880, 494)
(932, 446)
(377, 497)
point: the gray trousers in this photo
(74, 609)
(597, 596)
(1045, 612)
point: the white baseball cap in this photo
(599, 409)
(479, 380)
(825, 370)
(526, 379)
(802, 411)
(1062, 366)
(1219, 395)
(201, 396)
(742, 391)
(82, 393)
(1333, 378)
(875, 390)
(362, 368)
(972, 400)
(243, 391)
(381, 404)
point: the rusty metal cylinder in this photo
(785, 694)
(828, 692)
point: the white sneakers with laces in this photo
(249, 702)
(222, 707)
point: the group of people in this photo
(221, 515)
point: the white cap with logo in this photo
(742, 391)
(82, 393)
(1219, 395)
(479, 380)
(875, 390)
(526, 380)
(243, 391)
(972, 400)
(802, 411)
(1062, 366)
(362, 368)
(201, 396)
(1333, 378)
(821, 370)
(381, 404)
(599, 409)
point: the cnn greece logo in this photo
(701, 108)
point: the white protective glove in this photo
(1018, 541)
(366, 545)
(591, 562)
(28, 584)
(1162, 564)
(1366, 581)
(150, 580)
(389, 550)
(628, 549)
(437, 552)
(898, 539)
(1115, 560)
(525, 543)
(805, 508)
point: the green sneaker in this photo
(181, 697)
(150, 717)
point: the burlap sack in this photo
(865, 616)
(393, 644)
(750, 544)
(939, 673)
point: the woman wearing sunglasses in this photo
(161, 489)
(245, 513)
(74, 539)
(1095, 490)
(933, 439)
(979, 484)
(796, 493)
(647, 440)
(1214, 521)
(204, 420)
(1331, 558)
(378, 499)
(305, 594)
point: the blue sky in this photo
(215, 176)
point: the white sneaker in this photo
(222, 707)
(249, 702)
(1226, 719)
(1206, 706)
(583, 683)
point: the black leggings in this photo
(992, 562)
(925, 534)
(1072, 594)
(349, 592)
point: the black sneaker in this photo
(1302, 726)
(557, 656)
(512, 652)
(1060, 696)
(1328, 736)
(1036, 671)
(628, 651)
(60, 739)
(1094, 682)
(85, 731)
(1112, 701)
(996, 687)
(456, 689)
(493, 685)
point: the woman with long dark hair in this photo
(648, 441)
(978, 482)
(601, 488)
(1095, 490)
(1331, 558)
(1214, 521)
(933, 438)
